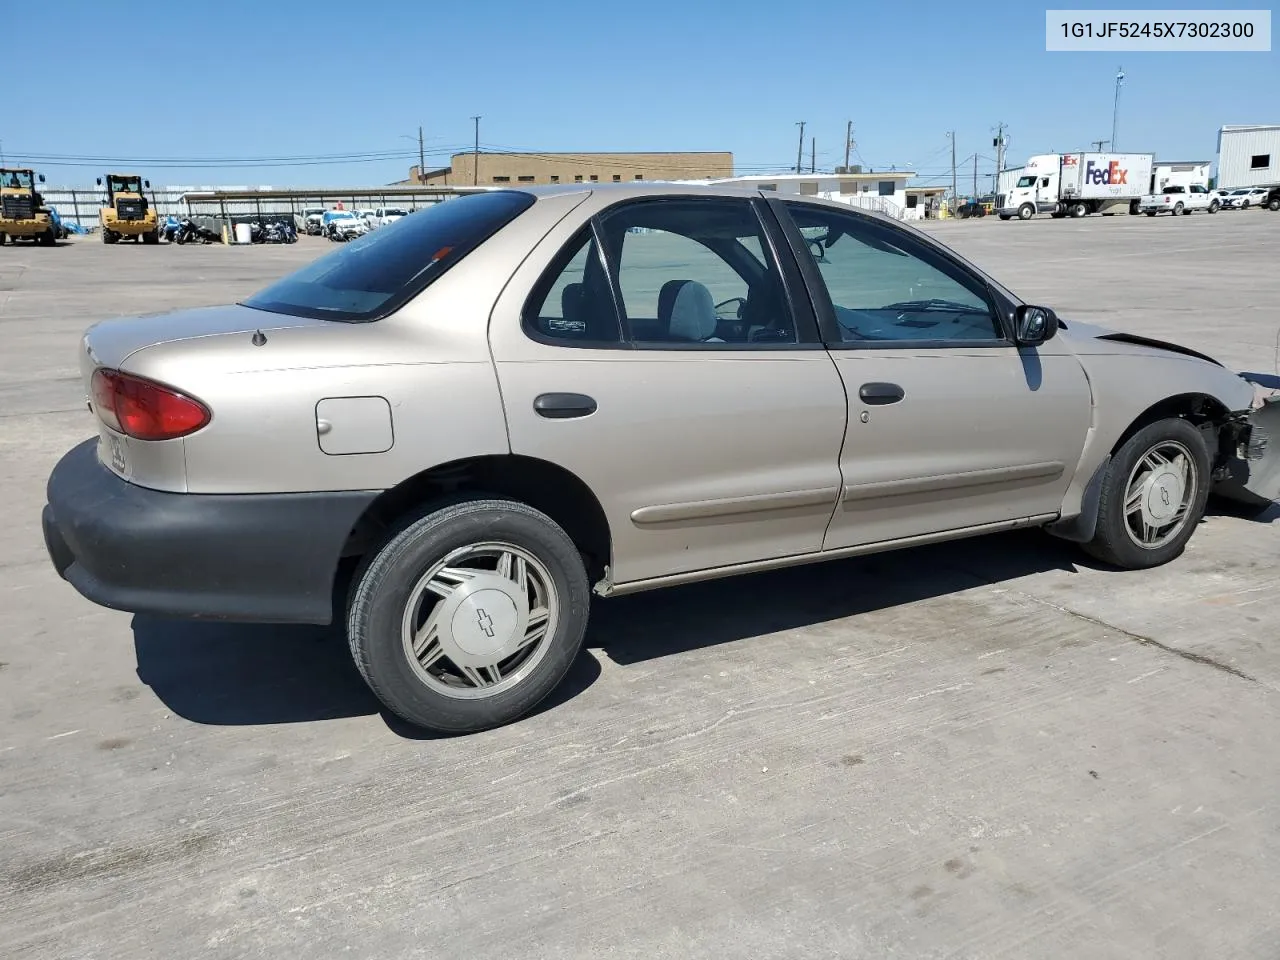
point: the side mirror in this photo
(42, 178)
(99, 181)
(147, 184)
(1033, 325)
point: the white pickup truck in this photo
(1179, 200)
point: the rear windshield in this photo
(368, 278)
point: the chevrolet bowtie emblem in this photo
(486, 622)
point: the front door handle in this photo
(878, 393)
(563, 406)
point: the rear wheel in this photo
(151, 237)
(1153, 495)
(1213, 206)
(470, 616)
(1078, 210)
(1273, 204)
(1006, 216)
(109, 236)
(1152, 213)
(1244, 204)
(48, 238)
(1178, 209)
(3, 238)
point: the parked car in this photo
(1246, 197)
(1177, 200)
(485, 412)
(342, 225)
(384, 216)
(313, 220)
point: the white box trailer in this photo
(1077, 184)
(1179, 173)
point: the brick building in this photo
(515, 168)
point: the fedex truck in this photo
(1077, 184)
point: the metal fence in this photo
(231, 205)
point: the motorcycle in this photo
(191, 232)
(275, 231)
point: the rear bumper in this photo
(256, 558)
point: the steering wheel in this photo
(737, 313)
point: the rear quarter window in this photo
(368, 278)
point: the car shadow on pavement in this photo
(646, 626)
(234, 674)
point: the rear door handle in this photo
(563, 406)
(878, 393)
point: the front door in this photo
(654, 353)
(951, 426)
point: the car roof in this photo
(675, 188)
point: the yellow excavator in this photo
(23, 214)
(127, 212)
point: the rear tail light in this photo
(144, 409)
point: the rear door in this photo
(951, 426)
(654, 353)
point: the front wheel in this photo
(470, 616)
(1026, 212)
(1273, 204)
(1153, 495)
(1006, 216)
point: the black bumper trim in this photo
(249, 557)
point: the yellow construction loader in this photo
(23, 215)
(127, 212)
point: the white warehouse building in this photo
(1249, 155)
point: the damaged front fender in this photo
(1250, 450)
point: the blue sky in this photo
(289, 78)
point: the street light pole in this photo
(475, 156)
(1115, 110)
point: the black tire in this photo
(1152, 213)
(385, 585)
(1273, 204)
(1078, 210)
(3, 239)
(109, 236)
(49, 238)
(1006, 216)
(1026, 212)
(151, 237)
(1178, 209)
(1111, 542)
(1213, 206)
(1244, 204)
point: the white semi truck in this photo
(1077, 184)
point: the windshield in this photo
(1238, 193)
(393, 212)
(17, 179)
(340, 215)
(370, 277)
(124, 184)
(1026, 181)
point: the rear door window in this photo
(368, 278)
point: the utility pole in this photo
(422, 161)
(998, 143)
(848, 144)
(1098, 144)
(954, 187)
(813, 154)
(800, 148)
(1115, 110)
(475, 156)
(975, 174)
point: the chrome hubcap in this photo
(480, 620)
(1159, 493)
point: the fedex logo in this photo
(1110, 174)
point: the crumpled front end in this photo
(1250, 470)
